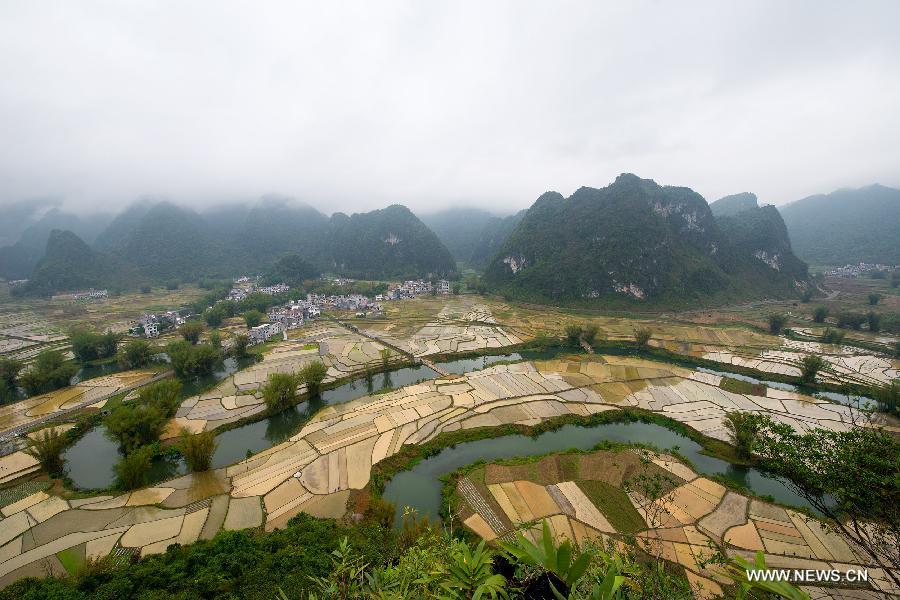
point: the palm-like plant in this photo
(47, 450)
(563, 561)
(470, 575)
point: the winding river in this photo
(90, 461)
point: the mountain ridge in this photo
(633, 240)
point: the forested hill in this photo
(638, 241)
(386, 243)
(18, 260)
(70, 264)
(846, 226)
(160, 241)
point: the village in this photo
(292, 314)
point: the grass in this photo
(738, 386)
(72, 559)
(613, 502)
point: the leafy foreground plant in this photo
(737, 569)
(566, 565)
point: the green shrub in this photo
(193, 361)
(49, 372)
(820, 314)
(573, 334)
(832, 336)
(132, 469)
(140, 422)
(744, 428)
(239, 345)
(850, 320)
(776, 323)
(191, 331)
(88, 346)
(874, 321)
(9, 370)
(280, 390)
(135, 354)
(312, 375)
(810, 366)
(47, 449)
(873, 299)
(198, 449)
(253, 318)
(642, 336)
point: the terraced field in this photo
(315, 470)
(593, 497)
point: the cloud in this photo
(352, 106)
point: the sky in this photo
(353, 106)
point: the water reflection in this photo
(420, 487)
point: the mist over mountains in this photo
(160, 241)
(633, 240)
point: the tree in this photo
(47, 449)
(810, 365)
(145, 289)
(850, 477)
(9, 371)
(239, 345)
(385, 357)
(820, 314)
(133, 426)
(832, 336)
(172, 285)
(132, 469)
(849, 320)
(873, 299)
(87, 345)
(253, 318)
(806, 296)
(456, 289)
(49, 372)
(744, 428)
(874, 320)
(888, 397)
(193, 361)
(135, 354)
(776, 323)
(198, 449)
(215, 339)
(280, 390)
(191, 331)
(214, 316)
(642, 336)
(141, 422)
(313, 374)
(589, 333)
(573, 334)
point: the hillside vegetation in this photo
(638, 241)
(846, 226)
(159, 242)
